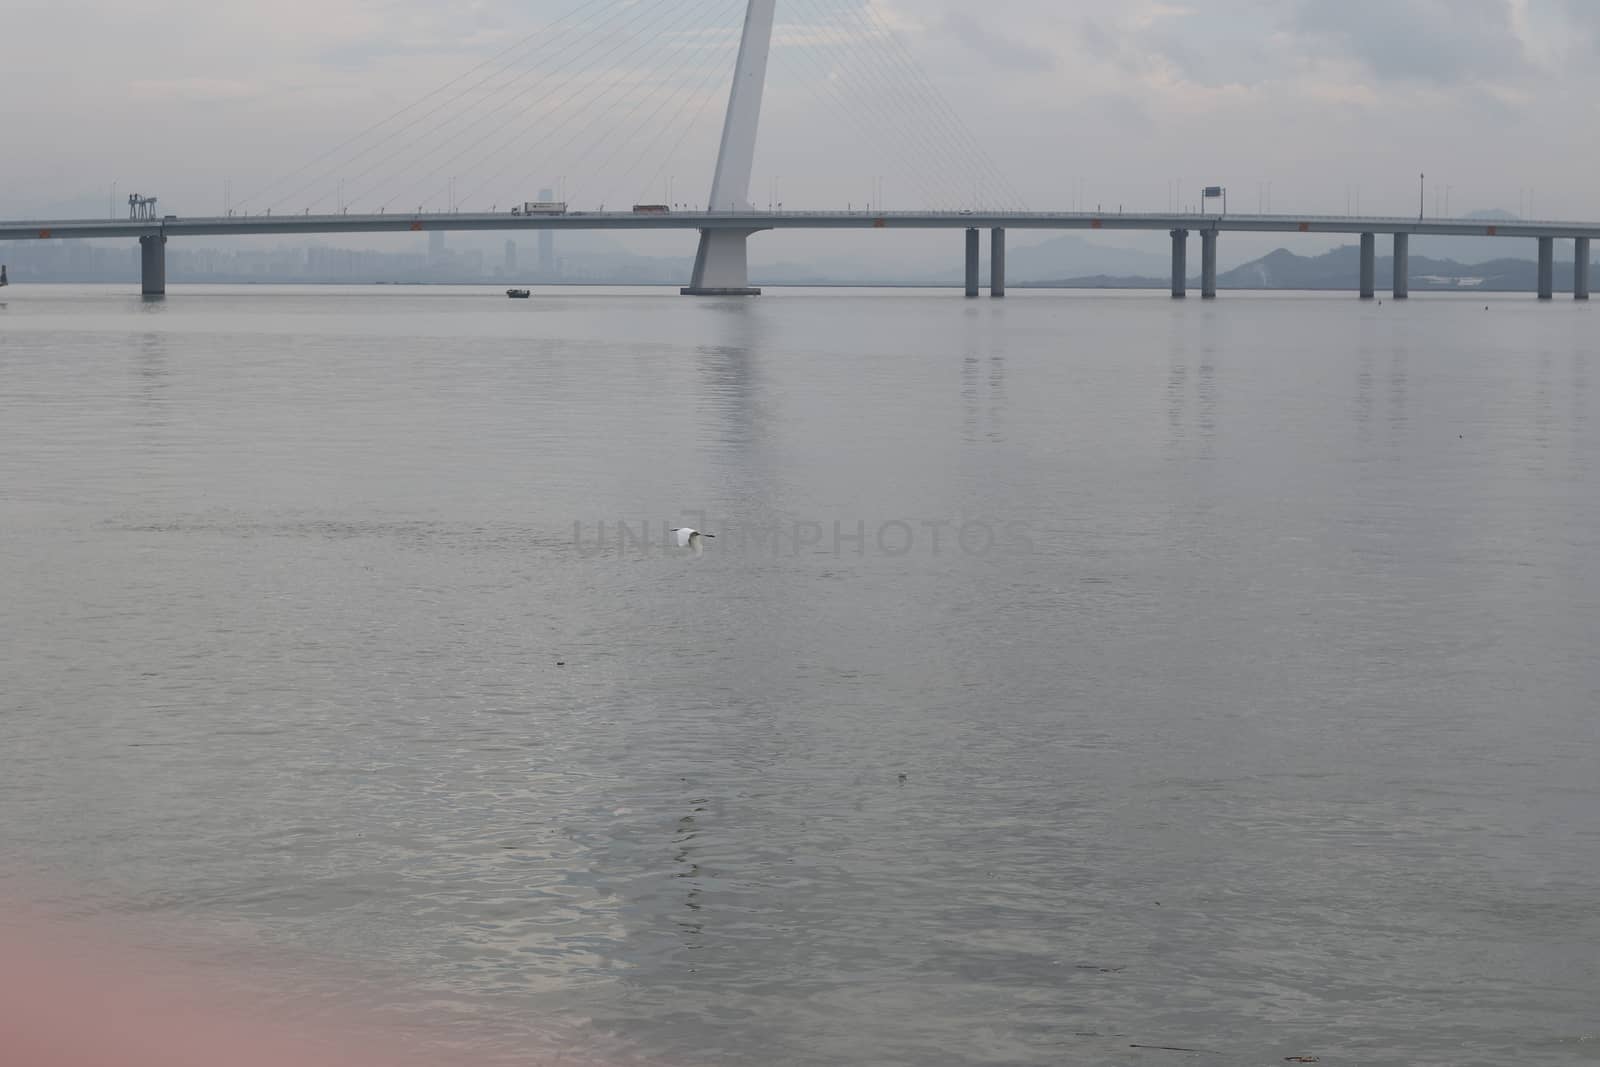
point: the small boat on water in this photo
(519, 294)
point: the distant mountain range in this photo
(1341, 269)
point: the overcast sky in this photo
(1112, 102)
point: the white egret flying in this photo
(688, 538)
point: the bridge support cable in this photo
(701, 97)
(918, 85)
(842, 64)
(597, 39)
(923, 161)
(904, 131)
(1369, 265)
(898, 52)
(548, 37)
(452, 128)
(594, 100)
(613, 50)
(663, 91)
(934, 197)
(511, 78)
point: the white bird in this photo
(688, 538)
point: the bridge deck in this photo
(240, 225)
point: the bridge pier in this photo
(1180, 264)
(1580, 268)
(721, 267)
(1369, 265)
(1547, 267)
(997, 262)
(1402, 266)
(972, 263)
(1208, 264)
(153, 265)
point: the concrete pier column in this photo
(1208, 264)
(153, 265)
(997, 262)
(972, 262)
(1180, 264)
(1369, 265)
(1547, 267)
(1402, 265)
(722, 266)
(1580, 268)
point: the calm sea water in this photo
(1070, 673)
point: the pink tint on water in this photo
(78, 995)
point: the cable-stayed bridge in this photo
(153, 234)
(482, 123)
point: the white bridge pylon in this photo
(721, 267)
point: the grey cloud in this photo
(1122, 111)
(997, 48)
(1096, 38)
(1584, 17)
(1105, 45)
(1214, 63)
(1442, 42)
(1214, 45)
